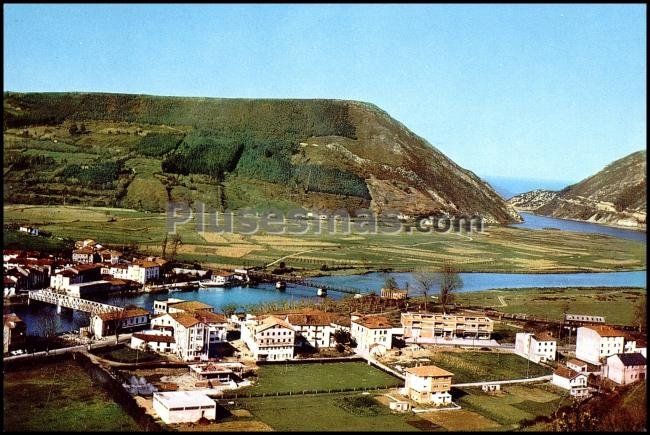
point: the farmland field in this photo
(498, 249)
(60, 397)
(514, 403)
(326, 412)
(473, 366)
(298, 377)
(616, 304)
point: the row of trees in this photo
(445, 282)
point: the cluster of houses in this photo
(92, 268)
(601, 350)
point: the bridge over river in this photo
(263, 276)
(62, 300)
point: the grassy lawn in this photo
(513, 404)
(616, 304)
(475, 366)
(328, 412)
(128, 355)
(499, 249)
(60, 397)
(299, 377)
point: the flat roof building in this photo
(184, 406)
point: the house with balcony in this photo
(428, 384)
(568, 379)
(269, 338)
(195, 333)
(427, 327)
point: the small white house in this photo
(625, 368)
(184, 406)
(153, 340)
(575, 382)
(536, 347)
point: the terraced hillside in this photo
(138, 152)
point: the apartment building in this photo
(426, 327)
(196, 333)
(125, 320)
(373, 333)
(594, 343)
(269, 338)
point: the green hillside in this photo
(140, 151)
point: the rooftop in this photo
(631, 359)
(566, 372)
(544, 336)
(606, 330)
(123, 314)
(182, 399)
(428, 371)
(188, 305)
(374, 322)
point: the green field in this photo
(326, 412)
(298, 377)
(616, 304)
(474, 366)
(514, 403)
(60, 397)
(499, 249)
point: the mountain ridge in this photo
(139, 151)
(616, 195)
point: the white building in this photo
(575, 382)
(536, 347)
(269, 338)
(196, 333)
(154, 340)
(373, 334)
(315, 328)
(428, 384)
(125, 320)
(173, 305)
(625, 368)
(184, 406)
(594, 343)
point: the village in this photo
(185, 362)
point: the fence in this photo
(114, 387)
(302, 393)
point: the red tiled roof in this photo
(428, 371)
(374, 322)
(566, 372)
(123, 314)
(606, 331)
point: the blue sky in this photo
(549, 92)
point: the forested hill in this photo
(140, 151)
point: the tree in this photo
(176, 242)
(450, 281)
(342, 336)
(229, 309)
(390, 283)
(640, 313)
(73, 130)
(425, 283)
(164, 246)
(48, 326)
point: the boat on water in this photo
(321, 292)
(281, 285)
(217, 280)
